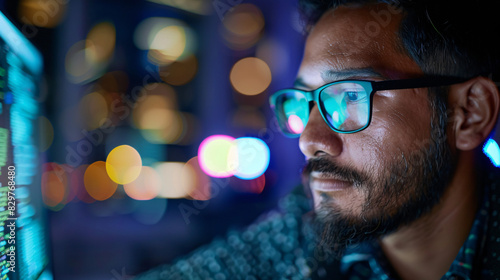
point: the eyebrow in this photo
(333, 75)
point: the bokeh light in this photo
(250, 76)
(253, 157)
(174, 131)
(47, 14)
(156, 98)
(93, 110)
(243, 26)
(216, 156)
(54, 184)
(176, 179)
(53, 189)
(87, 59)
(46, 133)
(79, 68)
(123, 164)
(201, 184)
(100, 43)
(166, 39)
(169, 43)
(146, 186)
(223, 156)
(492, 150)
(157, 117)
(179, 72)
(97, 182)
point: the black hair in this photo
(448, 38)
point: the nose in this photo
(318, 138)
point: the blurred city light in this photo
(166, 39)
(123, 164)
(146, 186)
(169, 43)
(157, 117)
(250, 76)
(243, 26)
(54, 184)
(223, 156)
(492, 150)
(157, 98)
(176, 179)
(179, 72)
(216, 156)
(97, 182)
(45, 14)
(53, 189)
(87, 59)
(100, 43)
(79, 67)
(178, 128)
(253, 157)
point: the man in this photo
(393, 103)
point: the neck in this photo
(433, 241)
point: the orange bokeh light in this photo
(97, 182)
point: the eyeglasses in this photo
(346, 106)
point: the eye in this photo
(353, 95)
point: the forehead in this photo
(356, 37)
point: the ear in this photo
(475, 105)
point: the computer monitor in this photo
(24, 250)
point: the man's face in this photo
(369, 183)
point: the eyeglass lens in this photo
(344, 105)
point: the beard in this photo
(405, 189)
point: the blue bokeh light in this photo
(253, 158)
(492, 150)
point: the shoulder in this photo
(273, 247)
(490, 258)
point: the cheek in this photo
(397, 127)
(405, 120)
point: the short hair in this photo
(447, 38)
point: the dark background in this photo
(106, 239)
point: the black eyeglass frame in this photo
(368, 86)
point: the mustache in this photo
(324, 165)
